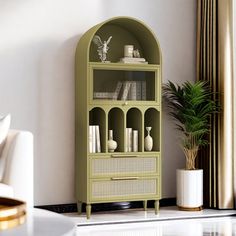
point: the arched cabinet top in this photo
(124, 31)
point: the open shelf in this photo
(97, 117)
(126, 32)
(152, 119)
(116, 123)
(134, 122)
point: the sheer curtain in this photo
(215, 64)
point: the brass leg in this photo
(145, 205)
(156, 206)
(88, 210)
(79, 207)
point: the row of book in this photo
(131, 144)
(94, 139)
(127, 90)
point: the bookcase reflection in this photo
(116, 123)
(124, 85)
(152, 119)
(97, 130)
(133, 135)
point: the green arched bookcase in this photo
(125, 98)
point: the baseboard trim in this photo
(72, 207)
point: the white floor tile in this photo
(138, 215)
(220, 226)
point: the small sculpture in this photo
(136, 53)
(102, 47)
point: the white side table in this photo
(43, 223)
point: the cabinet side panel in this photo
(81, 120)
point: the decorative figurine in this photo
(102, 47)
(136, 53)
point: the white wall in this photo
(37, 46)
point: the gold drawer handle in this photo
(124, 178)
(123, 156)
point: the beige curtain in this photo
(215, 64)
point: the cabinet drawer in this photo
(124, 165)
(124, 188)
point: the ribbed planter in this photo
(189, 189)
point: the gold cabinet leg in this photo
(79, 207)
(88, 210)
(145, 205)
(156, 206)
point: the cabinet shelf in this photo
(124, 98)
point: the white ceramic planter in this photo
(189, 189)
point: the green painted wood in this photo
(93, 76)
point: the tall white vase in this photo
(148, 141)
(189, 189)
(111, 144)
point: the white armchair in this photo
(17, 179)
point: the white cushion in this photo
(4, 128)
(6, 191)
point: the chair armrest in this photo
(19, 165)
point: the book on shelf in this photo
(103, 95)
(135, 140)
(128, 144)
(144, 90)
(131, 144)
(138, 90)
(126, 87)
(117, 90)
(133, 91)
(94, 139)
(98, 142)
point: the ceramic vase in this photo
(112, 144)
(148, 141)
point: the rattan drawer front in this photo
(124, 188)
(116, 166)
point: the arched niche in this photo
(97, 117)
(134, 121)
(124, 30)
(152, 119)
(116, 123)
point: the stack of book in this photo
(131, 144)
(103, 95)
(94, 139)
(133, 60)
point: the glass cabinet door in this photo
(124, 84)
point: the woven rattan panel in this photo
(124, 165)
(122, 188)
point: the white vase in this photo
(189, 189)
(148, 141)
(111, 144)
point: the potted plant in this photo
(190, 105)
